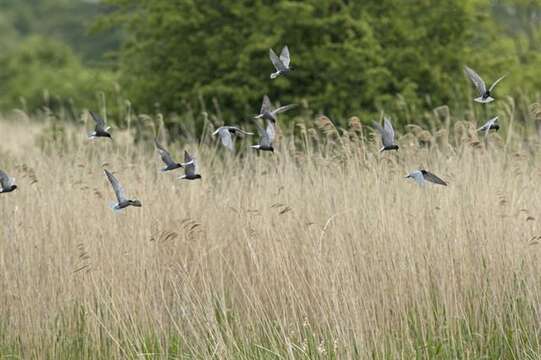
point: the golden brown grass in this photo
(322, 250)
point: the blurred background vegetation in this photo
(351, 58)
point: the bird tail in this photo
(274, 75)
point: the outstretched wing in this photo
(100, 123)
(236, 129)
(165, 155)
(496, 83)
(189, 164)
(278, 65)
(433, 178)
(270, 131)
(5, 181)
(226, 138)
(389, 131)
(476, 80)
(387, 138)
(264, 139)
(284, 56)
(266, 106)
(486, 127)
(119, 190)
(281, 109)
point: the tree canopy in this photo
(348, 56)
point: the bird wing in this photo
(119, 190)
(100, 123)
(270, 131)
(389, 131)
(433, 178)
(263, 135)
(386, 138)
(278, 65)
(189, 164)
(284, 108)
(266, 106)
(5, 181)
(488, 124)
(234, 128)
(496, 83)
(165, 155)
(284, 56)
(226, 138)
(476, 80)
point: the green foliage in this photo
(67, 21)
(350, 57)
(45, 72)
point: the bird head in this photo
(135, 203)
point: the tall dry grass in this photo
(321, 250)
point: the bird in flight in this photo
(387, 135)
(266, 137)
(485, 95)
(123, 201)
(267, 111)
(101, 130)
(226, 134)
(281, 64)
(422, 176)
(189, 168)
(7, 184)
(490, 125)
(170, 164)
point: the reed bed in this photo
(320, 250)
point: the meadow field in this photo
(322, 250)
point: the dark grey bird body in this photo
(226, 134)
(101, 130)
(387, 135)
(485, 95)
(281, 64)
(170, 164)
(267, 136)
(189, 168)
(422, 176)
(267, 111)
(7, 184)
(123, 201)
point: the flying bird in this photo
(422, 176)
(123, 201)
(281, 64)
(226, 135)
(266, 137)
(485, 96)
(170, 164)
(490, 125)
(7, 184)
(268, 113)
(189, 168)
(101, 130)
(387, 135)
